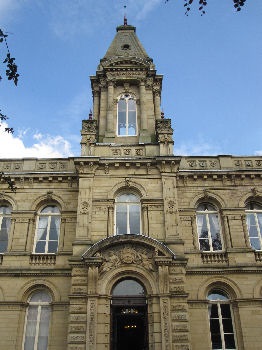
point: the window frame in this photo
(218, 302)
(8, 223)
(49, 215)
(126, 97)
(255, 212)
(40, 305)
(207, 213)
(128, 205)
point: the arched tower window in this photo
(254, 224)
(127, 214)
(126, 116)
(47, 230)
(5, 224)
(221, 324)
(37, 321)
(208, 228)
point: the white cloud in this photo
(69, 19)
(47, 146)
(147, 7)
(258, 153)
(199, 148)
(7, 10)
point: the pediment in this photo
(123, 250)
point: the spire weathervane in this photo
(125, 19)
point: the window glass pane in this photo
(202, 226)
(40, 297)
(217, 295)
(30, 327)
(225, 310)
(131, 123)
(255, 243)
(253, 231)
(230, 341)
(128, 287)
(37, 321)
(122, 117)
(43, 328)
(131, 105)
(259, 219)
(252, 220)
(122, 123)
(50, 209)
(40, 247)
(54, 228)
(5, 210)
(127, 197)
(42, 227)
(204, 245)
(227, 325)
(214, 311)
(52, 246)
(6, 223)
(121, 105)
(216, 341)
(134, 219)
(121, 219)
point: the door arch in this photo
(129, 321)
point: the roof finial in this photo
(125, 19)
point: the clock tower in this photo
(126, 103)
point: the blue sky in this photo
(212, 67)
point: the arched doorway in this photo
(129, 325)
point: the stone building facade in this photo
(128, 246)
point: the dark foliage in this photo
(11, 71)
(238, 4)
(12, 75)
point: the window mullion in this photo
(258, 230)
(37, 327)
(127, 218)
(209, 232)
(47, 233)
(126, 117)
(221, 326)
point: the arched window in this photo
(208, 228)
(126, 116)
(47, 230)
(254, 224)
(127, 214)
(221, 324)
(37, 321)
(5, 224)
(128, 287)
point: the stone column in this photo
(110, 220)
(96, 105)
(145, 220)
(110, 101)
(143, 115)
(245, 230)
(157, 104)
(77, 309)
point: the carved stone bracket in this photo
(89, 135)
(164, 131)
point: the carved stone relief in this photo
(127, 255)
